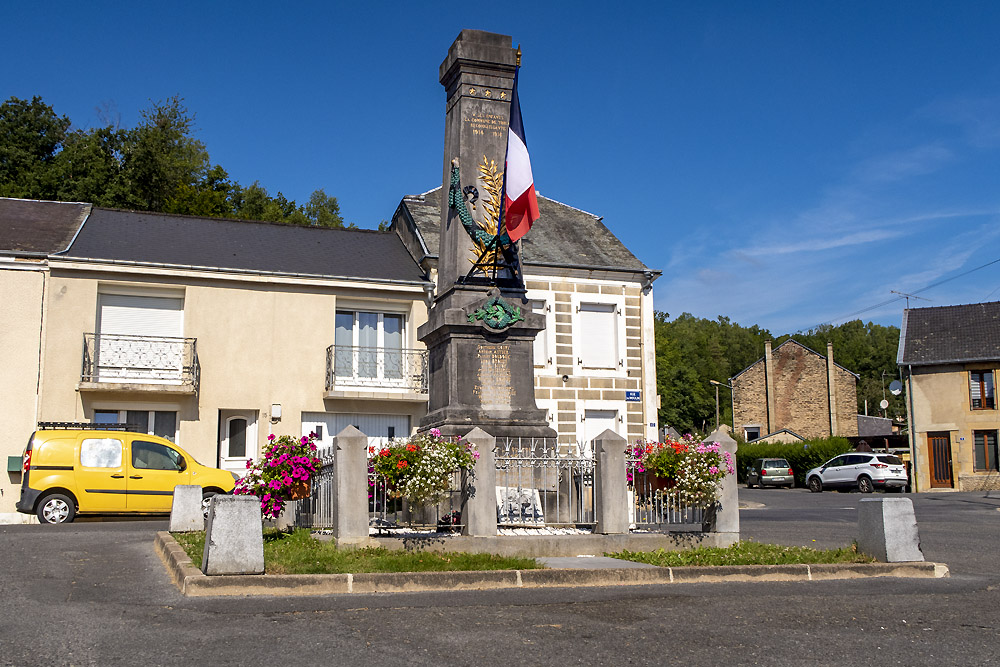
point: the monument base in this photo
(480, 376)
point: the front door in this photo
(939, 446)
(237, 439)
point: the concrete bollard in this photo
(610, 487)
(234, 541)
(479, 503)
(887, 530)
(350, 487)
(185, 510)
(724, 517)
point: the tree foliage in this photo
(157, 165)
(690, 352)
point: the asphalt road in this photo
(96, 594)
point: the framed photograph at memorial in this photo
(519, 507)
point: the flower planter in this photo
(299, 491)
(654, 483)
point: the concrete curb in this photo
(192, 583)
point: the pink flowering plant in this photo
(695, 468)
(421, 468)
(287, 462)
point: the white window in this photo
(154, 422)
(545, 342)
(368, 345)
(599, 334)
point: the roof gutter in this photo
(252, 272)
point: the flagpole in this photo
(503, 191)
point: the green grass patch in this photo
(299, 553)
(745, 552)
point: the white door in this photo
(596, 422)
(140, 338)
(237, 439)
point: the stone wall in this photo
(801, 397)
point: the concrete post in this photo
(610, 488)
(725, 516)
(234, 541)
(887, 530)
(350, 487)
(185, 510)
(479, 503)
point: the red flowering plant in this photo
(420, 468)
(695, 468)
(287, 462)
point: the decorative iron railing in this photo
(542, 484)
(142, 359)
(653, 502)
(378, 367)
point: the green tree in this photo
(30, 136)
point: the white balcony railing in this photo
(376, 367)
(140, 359)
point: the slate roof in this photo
(562, 236)
(950, 334)
(31, 227)
(190, 241)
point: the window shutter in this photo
(141, 315)
(598, 335)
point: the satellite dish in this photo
(883, 404)
(896, 388)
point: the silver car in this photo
(770, 472)
(864, 471)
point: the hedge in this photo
(802, 456)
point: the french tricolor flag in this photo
(519, 188)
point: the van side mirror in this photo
(182, 463)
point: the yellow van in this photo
(71, 468)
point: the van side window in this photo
(154, 456)
(101, 453)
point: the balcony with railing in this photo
(376, 372)
(156, 364)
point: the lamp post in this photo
(732, 401)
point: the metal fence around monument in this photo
(654, 504)
(542, 484)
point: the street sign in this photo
(633, 396)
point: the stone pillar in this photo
(769, 388)
(831, 382)
(350, 487)
(610, 488)
(887, 530)
(185, 510)
(234, 541)
(479, 503)
(725, 516)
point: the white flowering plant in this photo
(420, 468)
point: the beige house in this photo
(794, 389)
(595, 362)
(211, 333)
(949, 356)
(216, 333)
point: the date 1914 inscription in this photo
(493, 388)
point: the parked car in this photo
(865, 471)
(69, 469)
(770, 472)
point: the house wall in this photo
(941, 404)
(259, 342)
(801, 395)
(569, 400)
(20, 336)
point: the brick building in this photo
(794, 388)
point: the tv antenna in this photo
(908, 297)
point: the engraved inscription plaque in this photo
(493, 387)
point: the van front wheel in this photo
(56, 508)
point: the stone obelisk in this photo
(480, 329)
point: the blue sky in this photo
(785, 164)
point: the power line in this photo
(900, 298)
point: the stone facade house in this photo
(795, 389)
(949, 356)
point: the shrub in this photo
(802, 456)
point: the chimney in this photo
(769, 388)
(832, 388)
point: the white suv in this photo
(865, 471)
